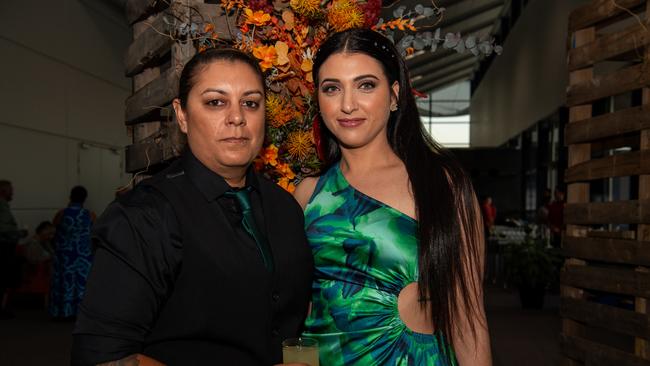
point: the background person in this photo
(72, 256)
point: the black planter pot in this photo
(532, 297)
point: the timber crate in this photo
(605, 281)
(155, 60)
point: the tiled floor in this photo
(519, 337)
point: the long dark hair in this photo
(449, 224)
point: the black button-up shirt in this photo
(176, 276)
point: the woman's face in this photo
(224, 115)
(355, 98)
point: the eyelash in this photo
(247, 103)
(365, 85)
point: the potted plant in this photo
(531, 267)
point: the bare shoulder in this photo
(304, 190)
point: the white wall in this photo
(528, 81)
(62, 92)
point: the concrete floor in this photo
(519, 337)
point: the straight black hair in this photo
(203, 59)
(449, 223)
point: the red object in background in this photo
(556, 216)
(418, 94)
(489, 214)
(318, 137)
(371, 11)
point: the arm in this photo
(472, 348)
(132, 271)
(57, 218)
(133, 360)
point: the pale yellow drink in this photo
(303, 350)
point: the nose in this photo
(348, 102)
(236, 117)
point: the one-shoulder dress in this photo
(365, 252)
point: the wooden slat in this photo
(158, 37)
(608, 250)
(595, 354)
(618, 212)
(618, 234)
(152, 96)
(140, 9)
(143, 156)
(619, 165)
(642, 346)
(149, 46)
(606, 317)
(618, 281)
(608, 46)
(157, 149)
(620, 81)
(599, 10)
(577, 192)
(608, 125)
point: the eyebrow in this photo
(360, 77)
(221, 91)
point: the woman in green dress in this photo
(393, 222)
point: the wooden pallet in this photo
(155, 60)
(609, 56)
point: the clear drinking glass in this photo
(301, 349)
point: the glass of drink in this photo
(301, 349)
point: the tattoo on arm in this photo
(126, 361)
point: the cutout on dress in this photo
(412, 314)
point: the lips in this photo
(350, 122)
(235, 140)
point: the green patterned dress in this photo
(365, 253)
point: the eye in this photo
(367, 85)
(252, 104)
(329, 89)
(215, 102)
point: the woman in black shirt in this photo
(206, 262)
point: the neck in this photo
(236, 182)
(235, 176)
(368, 158)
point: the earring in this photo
(393, 107)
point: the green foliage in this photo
(531, 263)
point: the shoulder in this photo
(304, 191)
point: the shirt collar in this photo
(209, 183)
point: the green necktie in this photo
(248, 222)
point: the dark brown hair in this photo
(201, 60)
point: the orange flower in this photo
(258, 18)
(299, 144)
(269, 155)
(288, 186)
(344, 14)
(285, 170)
(267, 54)
(308, 8)
(277, 111)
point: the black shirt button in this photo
(275, 297)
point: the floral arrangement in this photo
(284, 36)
